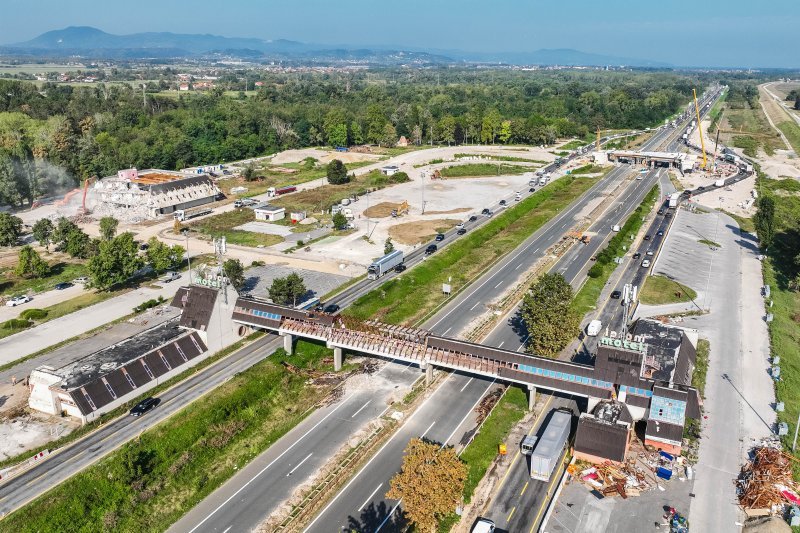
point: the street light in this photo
(188, 257)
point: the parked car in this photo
(170, 276)
(532, 189)
(460, 225)
(647, 237)
(439, 237)
(62, 286)
(486, 212)
(331, 308)
(660, 211)
(616, 295)
(646, 263)
(400, 268)
(483, 525)
(461, 231)
(145, 405)
(637, 255)
(82, 279)
(18, 300)
(502, 203)
(431, 249)
(473, 218)
(144, 246)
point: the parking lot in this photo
(258, 280)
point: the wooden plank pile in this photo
(628, 479)
(766, 481)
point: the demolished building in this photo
(134, 195)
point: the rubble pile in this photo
(639, 473)
(766, 481)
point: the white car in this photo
(483, 525)
(82, 279)
(18, 300)
(646, 263)
(459, 225)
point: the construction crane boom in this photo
(700, 129)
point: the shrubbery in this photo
(33, 314)
(17, 323)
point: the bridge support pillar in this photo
(531, 397)
(337, 358)
(428, 368)
(288, 343)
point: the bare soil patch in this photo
(381, 210)
(412, 233)
(450, 212)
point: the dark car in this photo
(669, 214)
(637, 255)
(461, 231)
(439, 237)
(660, 233)
(647, 237)
(473, 218)
(400, 268)
(144, 246)
(431, 249)
(331, 309)
(532, 189)
(502, 202)
(62, 286)
(145, 405)
(660, 211)
(485, 211)
(616, 295)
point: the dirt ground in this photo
(323, 156)
(417, 232)
(449, 212)
(381, 210)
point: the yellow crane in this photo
(700, 129)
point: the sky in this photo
(713, 33)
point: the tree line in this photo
(54, 136)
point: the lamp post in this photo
(188, 257)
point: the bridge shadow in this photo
(373, 516)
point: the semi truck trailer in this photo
(186, 214)
(272, 192)
(385, 264)
(550, 446)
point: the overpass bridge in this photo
(617, 373)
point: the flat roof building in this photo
(269, 212)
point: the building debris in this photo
(765, 484)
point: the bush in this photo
(17, 323)
(596, 271)
(257, 264)
(144, 306)
(33, 314)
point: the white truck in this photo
(186, 214)
(548, 450)
(594, 327)
(673, 199)
(385, 264)
(719, 183)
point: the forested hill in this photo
(52, 137)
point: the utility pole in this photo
(422, 183)
(794, 442)
(188, 257)
(144, 96)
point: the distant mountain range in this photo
(92, 43)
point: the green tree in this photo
(336, 173)
(286, 291)
(339, 221)
(388, 246)
(10, 229)
(338, 135)
(375, 122)
(447, 130)
(547, 315)
(764, 220)
(108, 228)
(234, 271)
(78, 243)
(43, 232)
(162, 256)
(249, 172)
(115, 261)
(30, 265)
(430, 483)
(389, 135)
(356, 135)
(505, 131)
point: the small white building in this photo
(388, 170)
(269, 212)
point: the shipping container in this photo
(550, 446)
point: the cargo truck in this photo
(385, 264)
(719, 183)
(272, 192)
(673, 199)
(594, 327)
(186, 214)
(550, 446)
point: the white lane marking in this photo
(299, 464)
(521, 346)
(369, 498)
(361, 409)
(474, 306)
(229, 528)
(448, 331)
(388, 516)
(501, 344)
(536, 250)
(500, 283)
(377, 454)
(517, 267)
(232, 496)
(465, 385)
(384, 411)
(427, 430)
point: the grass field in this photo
(590, 169)
(494, 157)
(750, 120)
(477, 170)
(222, 225)
(588, 295)
(659, 290)
(410, 297)
(151, 482)
(321, 198)
(60, 271)
(701, 366)
(572, 145)
(791, 129)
